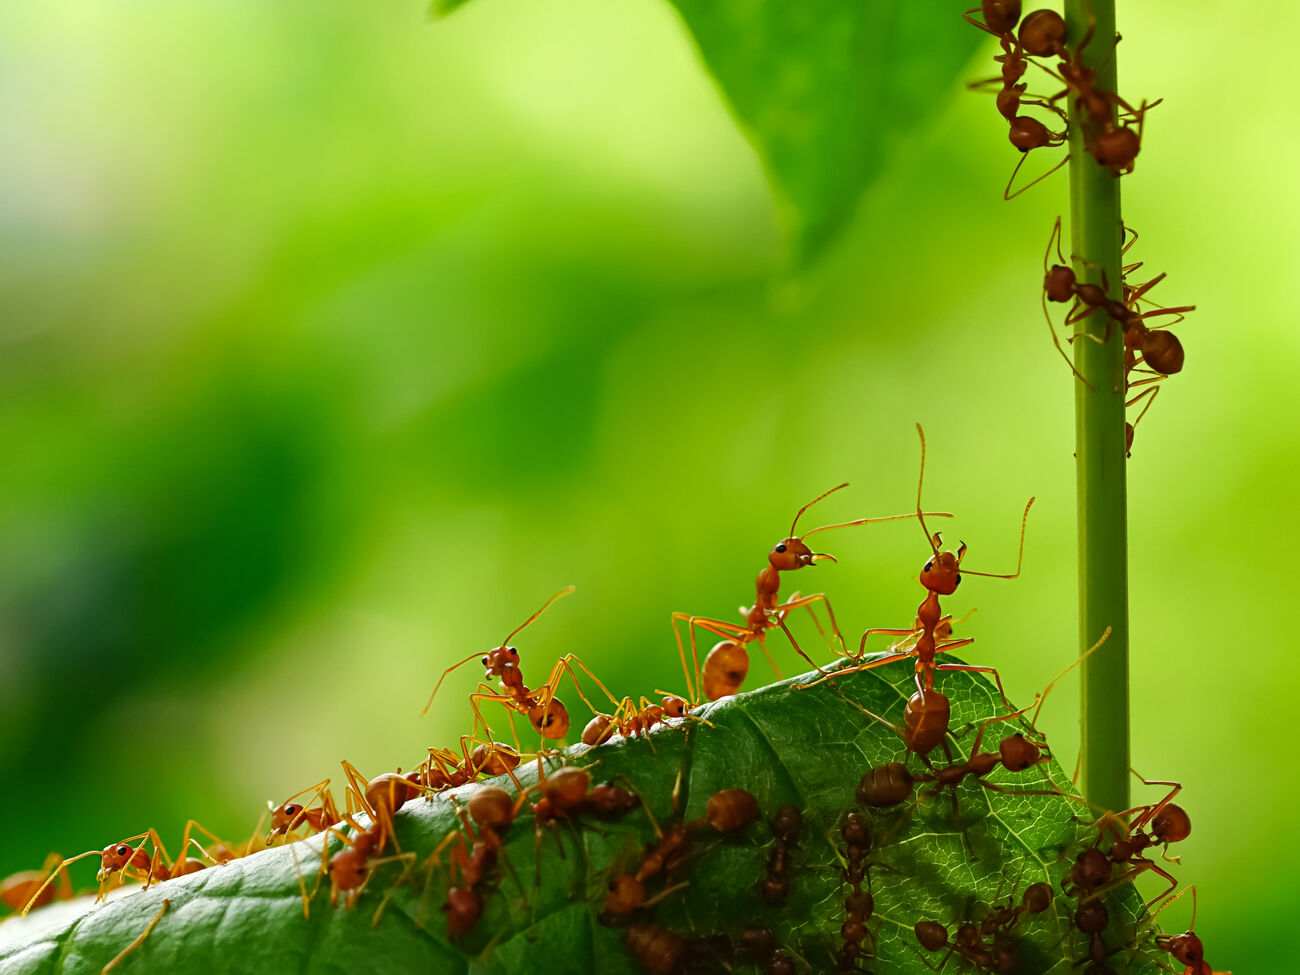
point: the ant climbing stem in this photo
(940, 576)
(727, 664)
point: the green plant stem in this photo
(1096, 232)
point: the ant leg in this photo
(807, 601)
(1056, 341)
(1020, 559)
(564, 661)
(981, 669)
(138, 941)
(428, 704)
(855, 669)
(794, 643)
(50, 879)
(1155, 810)
(1008, 195)
(762, 645)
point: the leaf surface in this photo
(805, 747)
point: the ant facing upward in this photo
(727, 664)
(940, 576)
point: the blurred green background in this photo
(335, 340)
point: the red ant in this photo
(124, 859)
(1158, 824)
(727, 664)
(888, 785)
(631, 719)
(444, 769)
(545, 712)
(940, 576)
(786, 826)
(1113, 145)
(859, 905)
(1186, 948)
(290, 815)
(1025, 132)
(727, 811)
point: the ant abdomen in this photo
(932, 935)
(1171, 824)
(657, 948)
(731, 809)
(1163, 352)
(925, 721)
(1042, 33)
(552, 720)
(885, 785)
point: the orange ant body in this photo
(727, 664)
(290, 815)
(940, 576)
(544, 711)
(125, 860)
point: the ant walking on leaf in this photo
(727, 664)
(940, 576)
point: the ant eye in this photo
(957, 583)
(781, 547)
(928, 566)
(513, 651)
(123, 850)
(485, 660)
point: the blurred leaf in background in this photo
(334, 340)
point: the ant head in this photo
(792, 553)
(1058, 283)
(1171, 824)
(1018, 753)
(1117, 149)
(112, 858)
(498, 658)
(674, 706)
(1186, 947)
(282, 817)
(348, 869)
(942, 571)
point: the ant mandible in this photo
(727, 664)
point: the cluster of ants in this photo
(1111, 139)
(1151, 354)
(473, 865)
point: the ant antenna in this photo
(1042, 698)
(929, 539)
(563, 592)
(819, 497)
(1024, 523)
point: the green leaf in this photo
(806, 747)
(826, 90)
